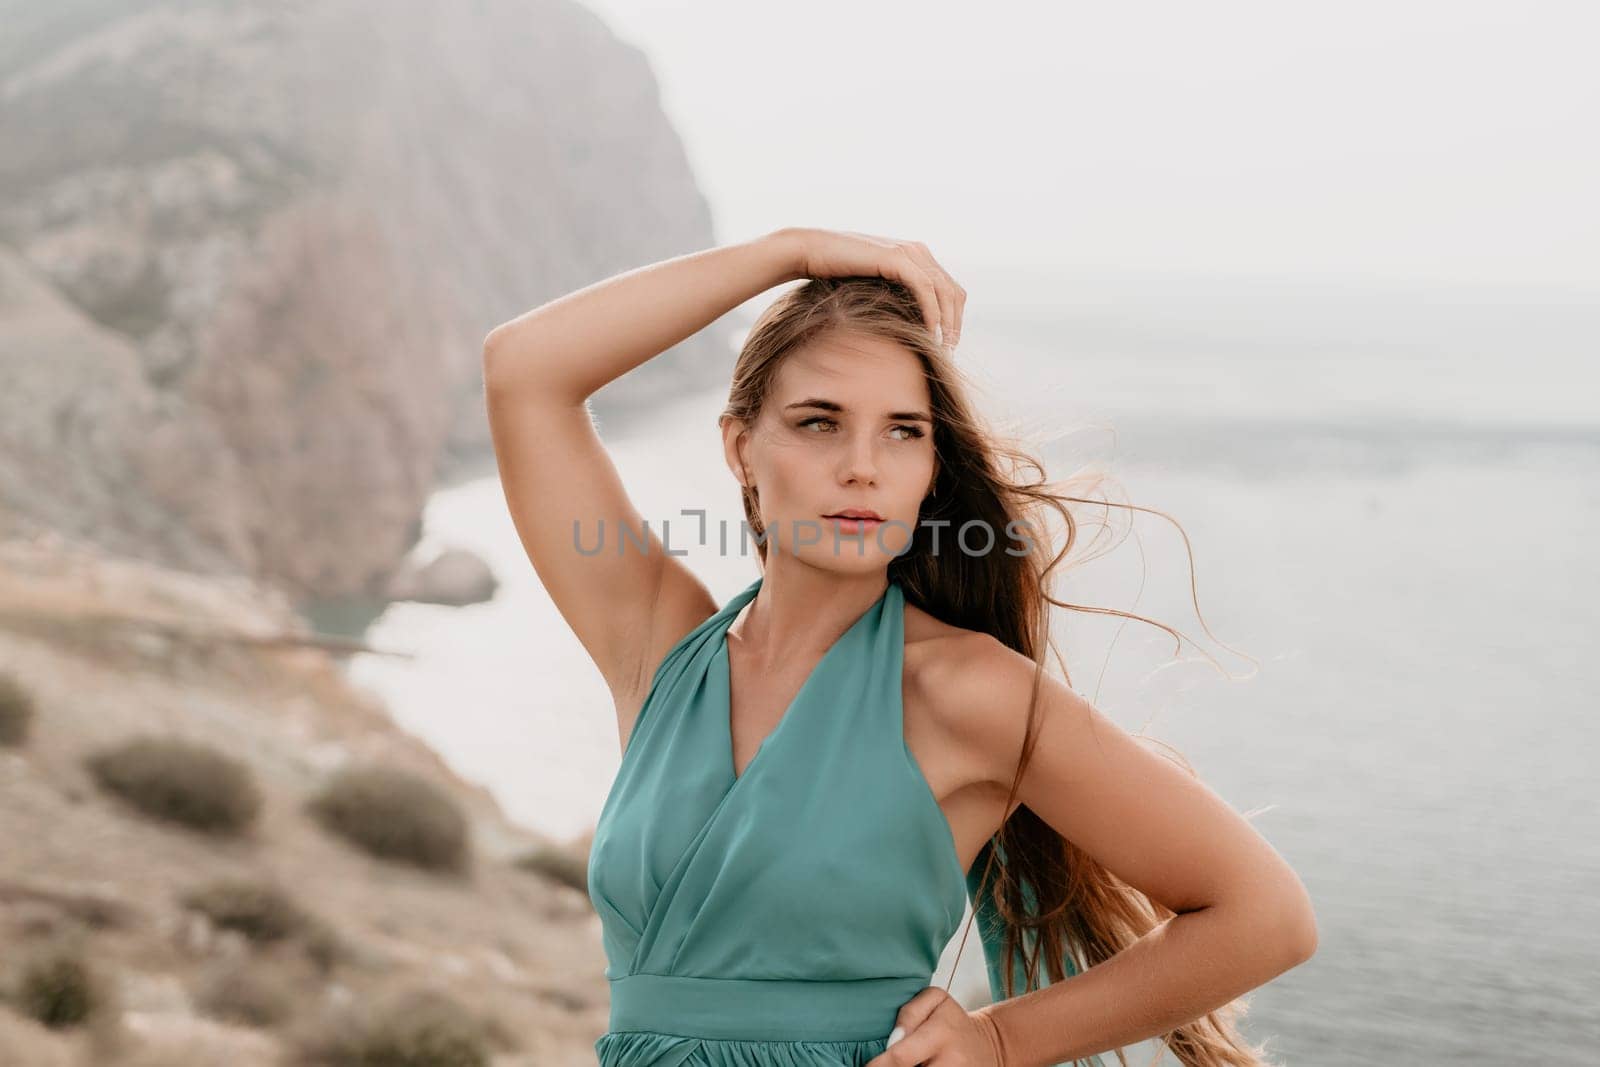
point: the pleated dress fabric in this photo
(780, 917)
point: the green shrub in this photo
(395, 815)
(418, 1029)
(16, 711)
(180, 781)
(559, 865)
(58, 986)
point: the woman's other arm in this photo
(1243, 915)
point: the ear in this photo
(733, 447)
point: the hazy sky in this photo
(1447, 141)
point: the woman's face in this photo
(847, 424)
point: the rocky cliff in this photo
(249, 251)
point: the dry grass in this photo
(265, 913)
(395, 815)
(261, 911)
(58, 986)
(252, 994)
(561, 865)
(179, 781)
(16, 711)
(417, 1028)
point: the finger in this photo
(919, 280)
(943, 284)
(961, 314)
(919, 1046)
(916, 1011)
(901, 1052)
(952, 297)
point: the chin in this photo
(854, 554)
(846, 565)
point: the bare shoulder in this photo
(1150, 822)
(974, 691)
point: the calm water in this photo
(1405, 544)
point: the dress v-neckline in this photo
(735, 776)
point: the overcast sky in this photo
(1448, 141)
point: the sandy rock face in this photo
(249, 252)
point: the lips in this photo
(856, 513)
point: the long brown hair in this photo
(1050, 905)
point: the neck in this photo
(800, 611)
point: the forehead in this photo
(855, 370)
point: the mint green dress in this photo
(779, 918)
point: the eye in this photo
(912, 432)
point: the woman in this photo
(818, 772)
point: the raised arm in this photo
(539, 370)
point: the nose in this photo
(859, 464)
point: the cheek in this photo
(788, 472)
(798, 488)
(911, 464)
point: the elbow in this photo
(1291, 921)
(493, 341)
(1298, 932)
(512, 370)
(503, 367)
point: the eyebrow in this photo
(829, 405)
